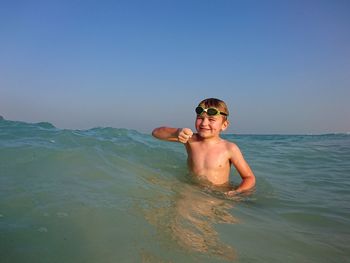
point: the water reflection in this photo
(189, 216)
(196, 215)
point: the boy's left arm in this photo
(243, 168)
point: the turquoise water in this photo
(116, 195)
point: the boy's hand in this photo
(184, 135)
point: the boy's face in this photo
(210, 126)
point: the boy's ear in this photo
(225, 124)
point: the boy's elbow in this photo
(253, 181)
(250, 182)
(154, 133)
(157, 133)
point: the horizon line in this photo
(223, 134)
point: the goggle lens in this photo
(199, 110)
(212, 112)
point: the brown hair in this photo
(216, 103)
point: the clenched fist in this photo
(184, 134)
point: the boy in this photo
(209, 156)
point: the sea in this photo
(107, 195)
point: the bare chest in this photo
(208, 159)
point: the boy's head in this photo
(215, 103)
(211, 118)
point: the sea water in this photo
(117, 195)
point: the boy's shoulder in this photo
(231, 147)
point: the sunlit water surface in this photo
(116, 195)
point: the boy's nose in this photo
(205, 121)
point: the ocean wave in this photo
(86, 185)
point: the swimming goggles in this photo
(209, 111)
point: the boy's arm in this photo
(247, 175)
(173, 134)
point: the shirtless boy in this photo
(209, 156)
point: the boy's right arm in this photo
(173, 134)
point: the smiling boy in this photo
(209, 156)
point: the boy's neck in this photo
(213, 139)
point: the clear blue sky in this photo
(281, 66)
